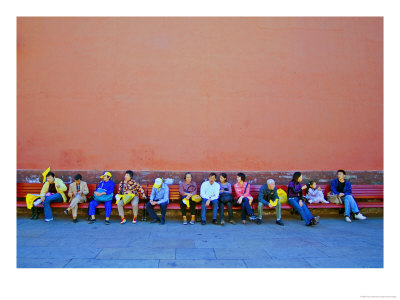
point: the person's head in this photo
(50, 177)
(341, 174)
(78, 178)
(188, 177)
(157, 183)
(106, 176)
(312, 184)
(240, 177)
(223, 177)
(212, 177)
(271, 184)
(128, 175)
(297, 177)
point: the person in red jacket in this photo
(243, 197)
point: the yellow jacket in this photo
(60, 190)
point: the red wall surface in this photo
(200, 93)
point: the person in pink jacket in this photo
(243, 197)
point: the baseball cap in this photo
(106, 174)
(157, 183)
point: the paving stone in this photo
(41, 262)
(277, 263)
(136, 253)
(57, 252)
(194, 253)
(35, 241)
(164, 243)
(295, 252)
(340, 262)
(112, 263)
(202, 263)
(240, 253)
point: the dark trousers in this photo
(192, 208)
(246, 207)
(152, 214)
(221, 210)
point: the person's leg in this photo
(48, 215)
(260, 207)
(192, 209)
(135, 207)
(203, 209)
(215, 208)
(150, 211)
(347, 207)
(278, 210)
(120, 207)
(183, 208)
(221, 211)
(353, 204)
(92, 208)
(230, 212)
(243, 215)
(108, 207)
(163, 208)
(248, 208)
(294, 202)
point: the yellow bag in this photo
(30, 199)
(195, 198)
(282, 196)
(126, 198)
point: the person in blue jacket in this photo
(342, 187)
(159, 196)
(104, 193)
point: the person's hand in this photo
(269, 205)
(208, 202)
(240, 200)
(304, 187)
(154, 203)
(250, 199)
(319, 189)
(341, 195)
(301, 203)
(189, 195)
(97, 194)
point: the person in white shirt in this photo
(209, 193)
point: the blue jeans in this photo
(246, 207)
(303, 210)
(204, 208)
(107, 206)
(48, 214)
(350, 205)
(151, 212)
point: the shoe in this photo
(75, 221)
(203, 222)
(243, 222)
(66, 211)
(155, 221)
(162, 222)
(107, 222)
(215, 222)
(184, 222)
(48, 220)
(191, 222)
(360, 216)
(222, 222)
(347, 219)
(123, 221)
(259, 221)
(134, 221)
(317, 219)
(252, 218)
(279, 222)
(232, 222)
(92, 221)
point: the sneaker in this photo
(107, 222)
(279, 222)
(123, 221)
(134, 221)
(232, 222)
(317, 218)
(184, 222)
(347, 219)
(360, 216)
(252, 218)
(48, 220)
(155, 221)
(191, 222)
(259, 221)
(162, 222)
(66, 211)
(75, 221)
(215, 222)
(92, 221)
(243, 222)
(203, 222)
(222, 222)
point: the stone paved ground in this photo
(332, 244)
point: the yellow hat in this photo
(106, 173)
(157, 183)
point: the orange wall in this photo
(200, 93)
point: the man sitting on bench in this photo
(159, 195)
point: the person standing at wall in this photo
(52, 191)
(188, 191)
(225, 198)
(297, 201)
(209, 192)
(159, 196)
(243, 197)
(77, 194)
(128, 191)
(268, 195)
(103, 193)
(342, 187)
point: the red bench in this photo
(360, 192)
